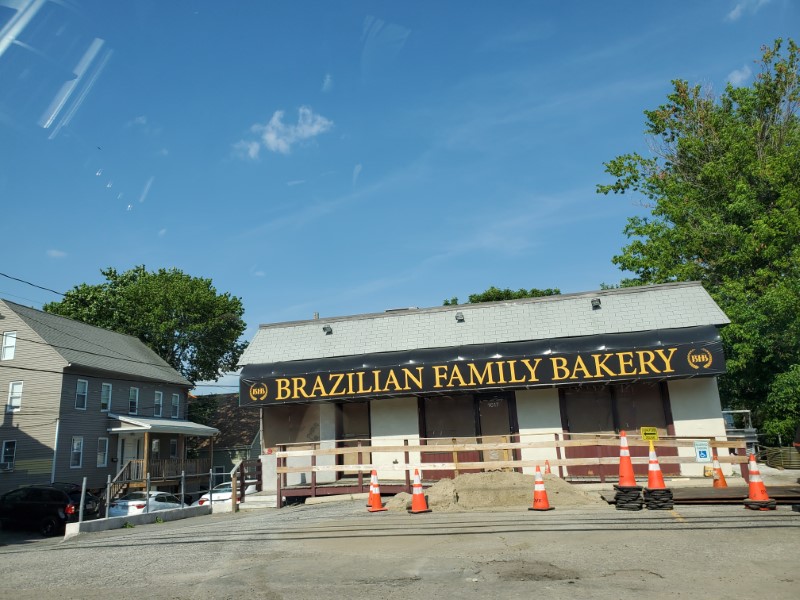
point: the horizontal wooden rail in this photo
(499, 464)
(476, 447)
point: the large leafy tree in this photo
(493, 294)
(723, 188)
(182, 318)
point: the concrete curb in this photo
(175, 514)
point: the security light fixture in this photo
(459, 317)
(327, 329)
(595, 303)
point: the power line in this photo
(46, 289)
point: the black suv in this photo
(47, 507)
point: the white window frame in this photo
(76, 439)
(176, 406)
(133, 400)
(4, 458)
(106, 398)
(14, 403)
(9, 346)
(173, 448)
(158, 404)
(85, 394)
(155, 449)
(102, 451)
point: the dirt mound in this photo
(495, 490)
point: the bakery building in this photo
(556, 367)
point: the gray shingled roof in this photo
(92, 347)
(625, 310)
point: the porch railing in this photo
(170, 468)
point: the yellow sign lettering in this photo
(559, 366)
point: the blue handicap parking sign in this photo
(702, 451)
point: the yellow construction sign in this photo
(649, 433)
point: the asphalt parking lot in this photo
(340, 550)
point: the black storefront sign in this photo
(661, 354)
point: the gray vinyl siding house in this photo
(82, 401)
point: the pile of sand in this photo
(495, 490)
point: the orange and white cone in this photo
(418, 504)
(547, 470)
(375, 504)
(372, 479)
(655, 479)
(626, 476)
(719, 477)
(758, 498)
(540, 501)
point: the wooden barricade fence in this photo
(309, 453)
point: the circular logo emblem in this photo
(258, 392)
(700, 359)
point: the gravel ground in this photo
(340, 550)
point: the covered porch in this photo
(155, 449)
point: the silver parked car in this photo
(134, 503)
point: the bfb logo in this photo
(700, 358)
(258, 392)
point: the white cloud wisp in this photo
(278, 136)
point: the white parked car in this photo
(134, 503)
(222, 492)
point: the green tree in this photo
(494, 294)
(723, 188)
(182, 318)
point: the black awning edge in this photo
(657, 354)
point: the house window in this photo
(9, 345)
(176, 406)
(158, 404)
(9, 454)
(173, 448)
(102, 452)
(105, 397)
(76, 452)
(14, 396)
(155, 449)
(81, 392)
(133, 401)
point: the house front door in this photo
(131, 447)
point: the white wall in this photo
(392, 421)
(327, 440)
(539, 417)
(696, 412)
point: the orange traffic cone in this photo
(719, 477)
(626, 477)
(655, 479)
(418, 504)
(375, 504)
(373, 481)
(547, 468)
(758, 498)
(539, 493)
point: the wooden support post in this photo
(313, 476)
(280, 462)
(558, 456)
(455, 459)
(408, 473)
(146, 454)
(360, 473)
(234, 494)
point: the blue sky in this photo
(340, 157)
